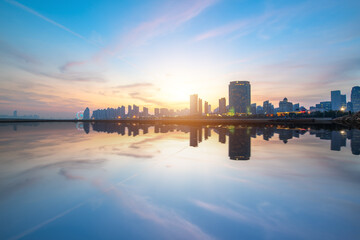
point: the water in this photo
(111, 181)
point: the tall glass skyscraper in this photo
(355, 98)
(239, 97)
(194, 104)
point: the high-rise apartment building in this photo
(222, 106)
(239, 97)
(355, 98)
(193, 104)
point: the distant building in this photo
(239, 97)
(136, 111)
(336, 100)
(253, 108)
(129, 111)
(326, 105)
(222, 106)
(145, 112)
(206, 107)
(285, 106)
(164, 112)
(200, 106)
(343, 102)
(355, 98)
(209, 108)
(259, 110)
(86, 114)
(268, 107)
(296, 107)
(349, 107)
(15, 114)
(157, 112)
(194, 104)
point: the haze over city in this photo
(59, 57)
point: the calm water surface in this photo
(111, 181)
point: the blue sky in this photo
(58, 57)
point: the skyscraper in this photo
(222, 105)
(206, 107)
(193, 104)
(200, 106)
(336, 100)
(239, 97)
(86, 115)
(355, 98)
(343, 102)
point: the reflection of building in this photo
(338, 140)
(193, 137)
(285, 135)
(355, 141)
(239, 144)
(239, 97)
(222, 135)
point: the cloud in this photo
(68, 76)
(29, 10)
(138, 96)
(258, 24)
(135, 85)
(145, 31)
(12, 52)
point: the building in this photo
(209, 108)
(157, 112)
(325, 105)
(239, 97)
(86, 114)
(200, 106)
(15, 114)
(253, 108)
(222, 106)
(206, 107)
(194, 104)
(296, 107)
(145, 112)
(164, 112)
(355, 98)
(285, 106)
(268, 107)
(336, 100)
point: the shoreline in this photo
(306, 121)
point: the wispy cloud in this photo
(29, 10)
(135, 85)
(11, 52)
(145, 31)
(141, 97)
(243, 27)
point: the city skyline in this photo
(59, 58)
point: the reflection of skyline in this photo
(239, 138)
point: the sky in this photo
(59, 57)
